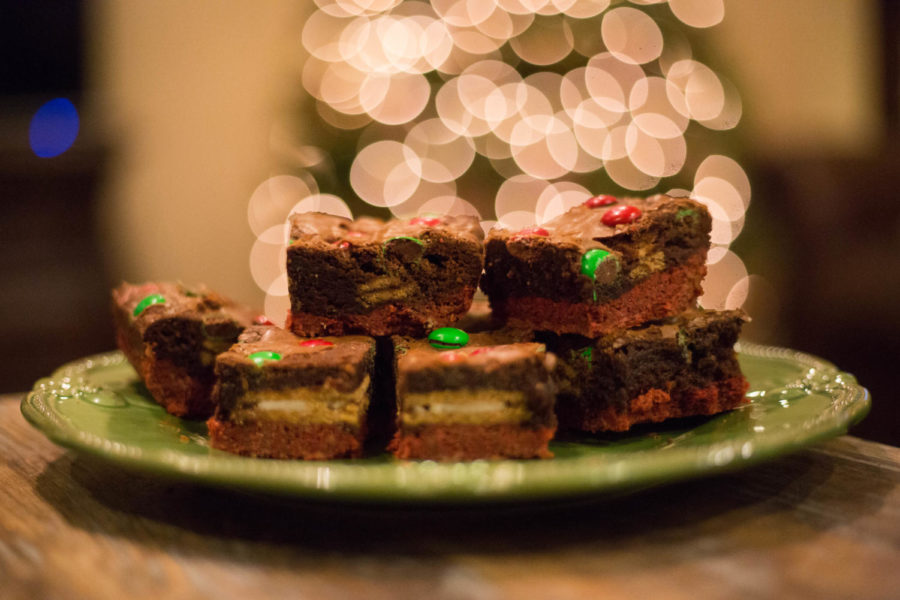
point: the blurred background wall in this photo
(178, 102)
(186, 93)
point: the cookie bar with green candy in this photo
(679, 367)
(466, 397)
(281, 396)
(604, 265)
(379, 278)
(171, 334)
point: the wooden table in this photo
(822, 523)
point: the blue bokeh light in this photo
(54, 128)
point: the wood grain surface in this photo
(822, 523)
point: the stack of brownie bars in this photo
(593, 327)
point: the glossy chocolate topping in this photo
(180, 301)
(584, 227)
(330, 229)
(483, 349)
(297, 351)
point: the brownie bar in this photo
(491, 398)
(400, 277)
(280, 396)
(683, 366)
(171, 334)
(605, 265)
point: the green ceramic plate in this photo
(97, 405)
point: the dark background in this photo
(826, 228)
(54, 302)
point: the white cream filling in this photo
(293, 406)
(469, 407)
(321, 404)
(464, 406)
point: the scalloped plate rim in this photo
(430, 482)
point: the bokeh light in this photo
(699, 13)
(385, 173)
(547, 41)
(427, 190)
(558, 198)
(448, 205)
(444, 154)
(277, 302)
(54, 128)
(323, 203)
(725, 271)
(267, 256)
(513, 111)
(519, 193)
(273, 200)
(631, 35)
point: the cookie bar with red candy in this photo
(605, 265)
(480, 396)
(281, 396)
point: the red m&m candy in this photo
(598, 201)
(531, 231)
(451, 356)
(316, 342)
(262, 320)
(427, 221)
(621, 215)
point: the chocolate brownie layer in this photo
(683, 366)
(385, 319)
(277, 439)
(281, 396)
(664, 293)
(488, 397)
(653, 406)
(600, 267)
(455, 441)
(381, 278)
(171, 334)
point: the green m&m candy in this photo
(406, 248)
(148, 302)
(406, 238)
(264, 356)
(592, 259)
(448, 338)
